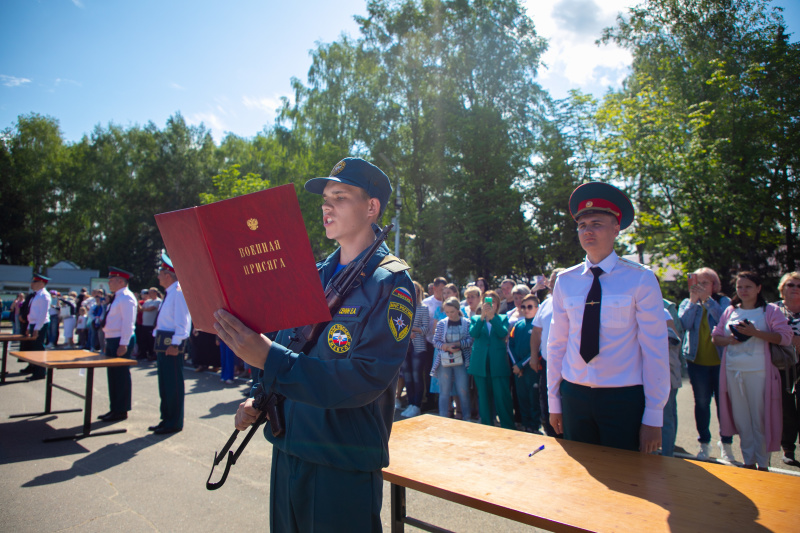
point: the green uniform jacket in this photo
(340, 397)
(489, 357)
(519, 342)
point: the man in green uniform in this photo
(326, 469)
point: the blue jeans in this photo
(412, 375)
(670, 428)
(449, 376)
(705, 385)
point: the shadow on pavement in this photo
(107, 457)
(21, 441)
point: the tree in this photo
(32, 155)
(703, 134)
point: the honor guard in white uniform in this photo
(119, 325)
(173, 325)
(38, 322)
(607, 352)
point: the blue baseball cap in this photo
(358, 173)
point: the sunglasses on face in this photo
(792, 286)
(529, 306)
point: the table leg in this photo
(3, 371)
(87, 415)
(48, 391)
(400, 519)
(398, 508)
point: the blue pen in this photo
(537, 450)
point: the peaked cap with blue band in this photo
(604, 198)
(166, 262)
(358, 173)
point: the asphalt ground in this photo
(136, 481)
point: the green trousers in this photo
(494, 397)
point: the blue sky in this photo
(226, 64)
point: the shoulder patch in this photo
(633, 264)
(393, 264)
(403, 294)
(400, 317)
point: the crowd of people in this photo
(592, 354)
(485, 357)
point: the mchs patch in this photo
(339, 339)
(400, 318)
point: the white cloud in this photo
(78, 3)
(212, 121)
(177, 87)
(13, 81)
(60, 81)
(265, 104)
(573, 59)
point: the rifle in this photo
(302, 340)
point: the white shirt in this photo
(174, 315)
(633, 334)
(38, 314)
(433, 305)
(543, 320)
(747, 356)
(121, 316)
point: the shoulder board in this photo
(393, 264)
(633, 264)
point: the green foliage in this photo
(705, 133)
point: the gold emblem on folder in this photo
(252, 224)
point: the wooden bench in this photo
(571, 486)
(52, 359)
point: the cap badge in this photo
(252, 224)
(589, 203)
(338, 168)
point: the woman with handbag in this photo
(749, 384)
(789, 305)
(453, 343)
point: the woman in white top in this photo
(750, 385)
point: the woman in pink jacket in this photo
(749, 384)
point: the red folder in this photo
(249, 255)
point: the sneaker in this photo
(726, 453)
(705, 451)
(228, 381)
(412, 410)
(398, 404)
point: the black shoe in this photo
(113, 416)
(156, 427)
(165, 430)
(27, 370)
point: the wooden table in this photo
(570, 486)
(5, 338)
(52, 359)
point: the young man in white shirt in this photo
(608, 359)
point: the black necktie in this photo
(590, 328)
